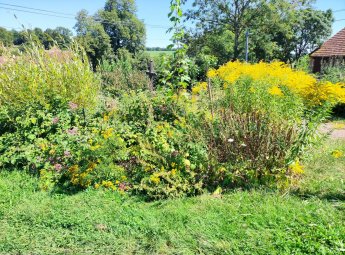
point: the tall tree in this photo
(91, 35)
(221, 15)
(122, 25)
(281, 29)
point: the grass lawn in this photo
(310, 220)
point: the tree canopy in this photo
(122, 25)
(279, 29)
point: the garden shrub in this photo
(262, 117)
(248, 127)
(38, 76)
(335, 74)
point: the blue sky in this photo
(153, 12)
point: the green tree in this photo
(91, 35)
(6, 37)
(60, 36)
(279, 29)
(122, 25)
(222, 15)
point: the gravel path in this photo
(336, 130)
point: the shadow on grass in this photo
(329, 196)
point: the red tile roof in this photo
(335, 46)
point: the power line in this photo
(45, 14)
(67, 14)
(42, 10)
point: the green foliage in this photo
(60, 37)
(123, 74)
(122, 25)
(220, 29)
(169, 143)
(6, 37)
(43, 77)
(335, 74)
(176, 70)
(241, 222)
(303, 64)
(93, 38)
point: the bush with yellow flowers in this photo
(280, 76)
(248, 125)
(260, 118)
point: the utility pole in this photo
(247, 44)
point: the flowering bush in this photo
(249, 126)
(279, 76)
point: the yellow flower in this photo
(73, 169)
(106, 117)
(275, 91)
(297, 168)
(155, 178)
(173, 171)
(43, 146)
(202, 86)
(97, 185)
(212, 73)
(108, 185)
(300, 83)
(337, 154)
(108, 133)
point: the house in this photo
(331, 53)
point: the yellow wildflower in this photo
(108, 133)
(277, 73)
(337, 154)
(275, 91)
(155, 178)
(73, 169)
(43, 146)
(297, 168)
(212, 73)
(202, 86)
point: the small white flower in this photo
(243, 145)
(230, 140)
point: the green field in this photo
(308, 220)
(158, 53)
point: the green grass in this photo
(310, 220)
(158, 53)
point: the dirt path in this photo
(336, 130)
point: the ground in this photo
(309, 219)
(335, 129)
